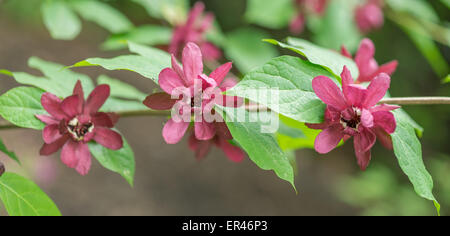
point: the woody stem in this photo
(257, 107)
(417, 100)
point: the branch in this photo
(256, 107)
(417, 101)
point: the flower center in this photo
(79, 130)
(351, 118)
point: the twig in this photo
(256, 107)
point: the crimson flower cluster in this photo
(194, 30)
(367, 65)
(297, 24)
(369, 16)
(73, 122)
(187, 91)
(353, 112)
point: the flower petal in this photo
(233, 153)
(376, 90)
(108, 138)
(384, 107)
(365, 140)
(69, 153)
(176, 67)
(297, 24)
(383, 137)
(195, 13)
(96, 99)
(84, 159)
(102, 119)
(173, 131)
(210, 52)
(385, 120)
(367, 118)
(329, 92)
(345, 52)
(204, 130)
(52, 104)
(363, 159)
(355, 95)
(159, 101)
(221, 72)
(328, 139)
(228, 83)
(48, 120)
(78, 90)
(51, 133)
(347, 78)
(365, 53)
(192, 62)
(388, 68)
(70, 106)
(48, 149)
(169, 80)
(201, 148)
(222, 131)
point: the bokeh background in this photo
(170, 181)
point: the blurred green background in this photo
(169, 181)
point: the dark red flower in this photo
(200, 94)
(73, 122)
(194, 30)
(369, 16)
(367, 65)
(353, 112)
(220, 140)
(2, 168)
(297, 24)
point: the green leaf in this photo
(60, 20)
(20, 105)
(431, 51)
(290, 131)
(120, 105)
(292, 78)
(418, 8)
(120, 161)
(9, 153)
(174, 11)
(57, 80)
(446, 3)
(408, 151)
(149, 63)
(102, 14)
(268, 13)
(289, 143)
(262, 148)
(245, 48)
(121, 89)
(338, 27)
(446, 79)
(22, 197)
(330, 60)
(62, 80)
(146, 34)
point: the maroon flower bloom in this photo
(220, 140)
(73, 122)
(354, 113)
(198, 91)
(194, 31)
(367, 65)
(2, 169)
(297, 24)
(369, 16)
